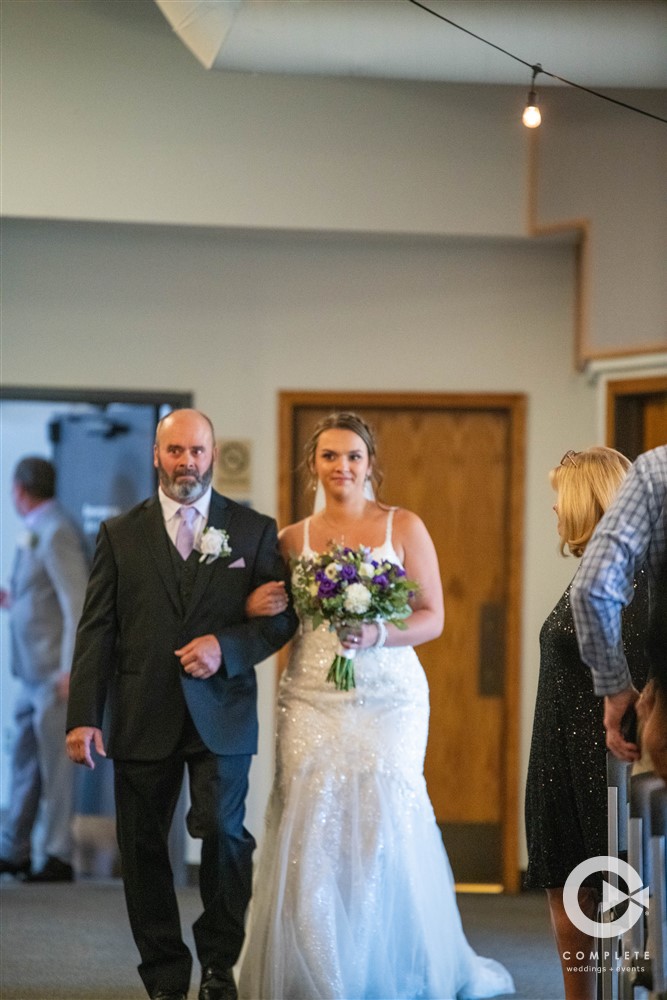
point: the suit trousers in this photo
(41, 773)
(146, 796)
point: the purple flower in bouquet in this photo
(327, 587)
(344, 587)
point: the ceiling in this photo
(595, 43)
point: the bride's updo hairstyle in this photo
(347, 422)
(586, 483)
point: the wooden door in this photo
(457, 462)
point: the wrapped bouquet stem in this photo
(341, 672)
(345, 588)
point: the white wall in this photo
(605, 164)
(236, 318)
(106, 115)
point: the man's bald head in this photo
(184, 454)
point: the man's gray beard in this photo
(185, 492)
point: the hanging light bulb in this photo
(531, 117)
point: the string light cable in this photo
(531, 117)
(535, 68)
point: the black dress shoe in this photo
(54, 870)
(169, 995)
(217, 984)
(9, 868)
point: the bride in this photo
(354, 896)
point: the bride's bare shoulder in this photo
(407, 524)
(404, 516)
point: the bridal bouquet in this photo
(345, 587)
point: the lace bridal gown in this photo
(354, 894)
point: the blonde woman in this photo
(566, 796)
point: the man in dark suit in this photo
(44, 600)
(164, 647)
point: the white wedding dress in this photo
(354, 895)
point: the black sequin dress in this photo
(566, 790)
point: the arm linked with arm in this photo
(253, 640)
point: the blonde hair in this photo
(586, 483)
(348, 422)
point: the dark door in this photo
(103, 462)
(637, 414)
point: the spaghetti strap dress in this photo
(354, 895)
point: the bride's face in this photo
(341, 463)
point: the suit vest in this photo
(185, 571)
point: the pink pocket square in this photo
(237, 564)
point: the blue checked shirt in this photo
(632, 533)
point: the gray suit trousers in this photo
(40, 771)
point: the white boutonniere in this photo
(27, 540)
(213, 544)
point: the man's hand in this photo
(652, 713)
(266, 600)
(78, 745)
(5, 599)
(615, 707)
(202, 657)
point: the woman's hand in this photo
(652, 713)
(615, 707)
(266, 600)
(359, 635)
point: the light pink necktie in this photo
(185, 536)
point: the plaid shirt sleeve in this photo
(631, 529)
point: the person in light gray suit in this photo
(44, 599)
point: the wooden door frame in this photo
(514, 404)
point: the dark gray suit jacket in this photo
(133, 620)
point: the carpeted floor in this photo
(72, 942)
